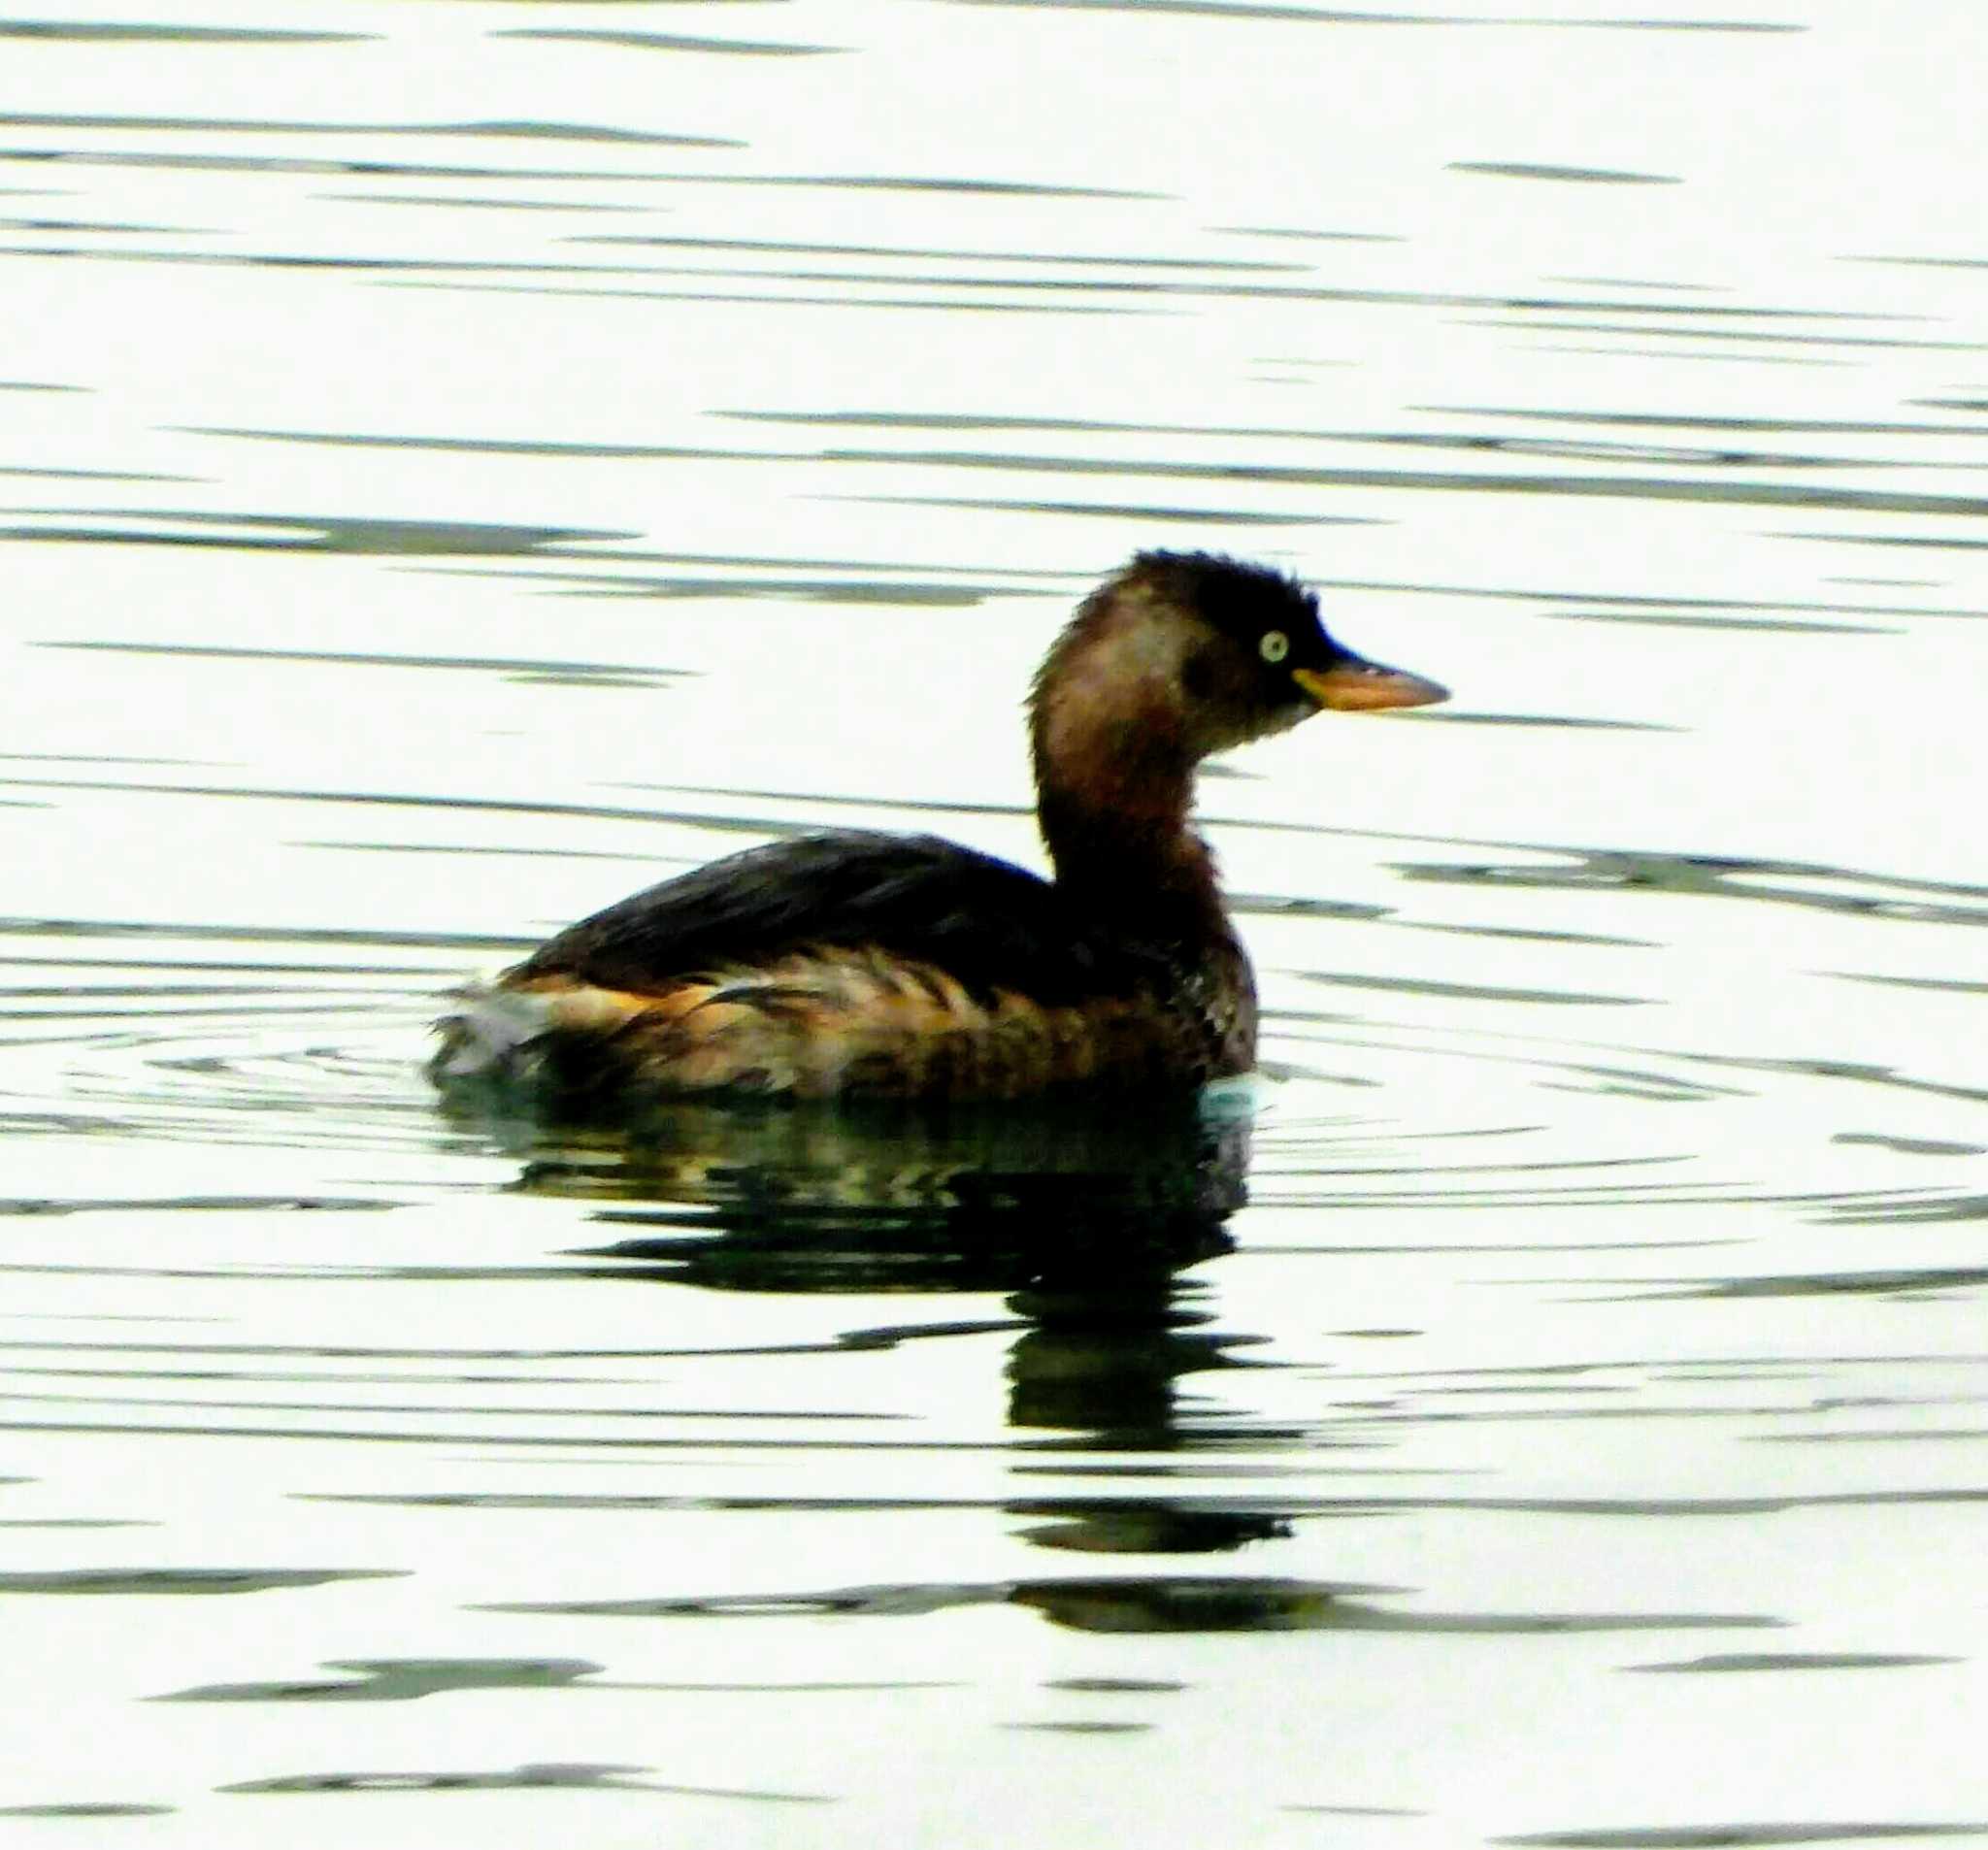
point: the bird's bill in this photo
(1354, 685)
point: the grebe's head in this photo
(1182, 654)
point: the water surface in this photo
(461, 461)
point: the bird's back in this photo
(852, 963)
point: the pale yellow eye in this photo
(1274, 646)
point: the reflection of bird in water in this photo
(857, 963)
(891, 1197)
(1088, 1220)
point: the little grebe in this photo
(856, 962)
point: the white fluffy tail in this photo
(486, 1035)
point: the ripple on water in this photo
(1591, 1283)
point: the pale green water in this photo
(462, 460)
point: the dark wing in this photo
(987, 923)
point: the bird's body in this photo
(862, 963)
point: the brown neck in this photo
(1116, 828)
(1114, 758)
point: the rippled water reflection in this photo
(463, 459)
